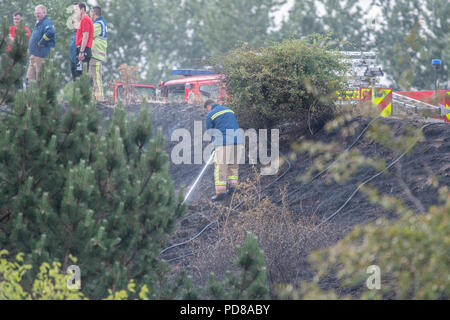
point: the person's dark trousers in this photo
(87, 59)
(73, 69)
(19, 85)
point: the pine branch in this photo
(146, 182)
(67, 133)
(7, 215)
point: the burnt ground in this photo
(409, 180)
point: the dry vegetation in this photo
(285, 237)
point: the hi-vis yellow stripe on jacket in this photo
(447, 105)
(224, 120)
(220, 113)
(100, 43)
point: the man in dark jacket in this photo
(42, 39)
(228, 145)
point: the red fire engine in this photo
(199, 85)
(195, 87)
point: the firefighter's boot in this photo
(218, 197)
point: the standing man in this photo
(17, 17)
(99, 46)
(42, 39)
(85, 34)
(228, 146)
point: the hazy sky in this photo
(284, 11)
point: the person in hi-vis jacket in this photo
(228, 146)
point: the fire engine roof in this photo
(135, 84)
(193, 79)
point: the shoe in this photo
(231, 190)
(218, 197)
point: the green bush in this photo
(50, 282)
(292, 82)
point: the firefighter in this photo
(228, 145)
(41, 40)
(99, 46)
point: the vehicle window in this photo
(176, 91)
(148, 93)
(209, 91)
(136, 93)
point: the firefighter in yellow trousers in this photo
(229, 149)
(99, 46)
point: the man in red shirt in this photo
(84, 37)
(17, 17)
(12, 30)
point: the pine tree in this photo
(400, 41)
(411, 35)
(342, 19)
(220, 26)
(303, 20)
(69, 187)
(251, 280)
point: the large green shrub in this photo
(294, 81)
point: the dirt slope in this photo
(408, 179)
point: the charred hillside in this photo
(203, 242)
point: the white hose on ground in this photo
(199, 177)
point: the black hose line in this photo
(295, 191)
(372, 178)
(327, 168)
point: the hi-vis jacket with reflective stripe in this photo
(100, 43)
(223, 118)
(42, 38)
